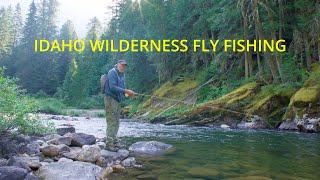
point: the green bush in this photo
(16, 109)
(51, 106)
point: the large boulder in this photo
(149, 148)
(89, 153)
(70, 170)
(12, 173)
(113, 156)
(81, 139)
(50, 150)
(26, 162)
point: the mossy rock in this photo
(164, 96)
(307, 99)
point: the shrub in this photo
(16, 109)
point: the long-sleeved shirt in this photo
(115, 85)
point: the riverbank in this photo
(254, 105)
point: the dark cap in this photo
(122, 61)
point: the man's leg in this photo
(112, 117)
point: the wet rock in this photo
(311, 125)
(26, 162)
(149, 148)
(3, 162)
(255, 123)
(129, 162)
(64, 130)
(112, 156)
(31, 176)
(89, 153)
(288, 125)
(117, 168)
(12, 173)
(65, 160)
(61, 140)
(50, 150)
(70, 170)
(80, 139)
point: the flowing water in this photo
(209, 153)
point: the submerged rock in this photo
(149, 148)
(70, 170)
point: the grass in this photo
(51, 106)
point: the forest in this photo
(71, 78)
(223, 89)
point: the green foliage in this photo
(51, 106)
(16, 109)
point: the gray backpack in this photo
(103, 81)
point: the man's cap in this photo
(122, 61)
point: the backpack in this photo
(103, 81)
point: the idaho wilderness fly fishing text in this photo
(166, 45)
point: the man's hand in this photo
(130, 93)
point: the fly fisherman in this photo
(115, 92)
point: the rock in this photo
(89, 153)
(61, 140)
(70, 170)
(63, 148)
(80, 139)
(3, 162)
(102, 145)
(12, 173)
(112, 156)
(255, 123)
(129, 162)
(32, 148)
(31, 176)
(102, 162)
(203, 172)
(50, 150)
(311, 125)
(64, 130)
(73, 154)
(40, 142)
(288, 125)
(224, 126)
(65, 160)
(149, 148)
(51, 136)
(26, 162)
(117, 168)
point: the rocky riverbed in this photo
(69, 155)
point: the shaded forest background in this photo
(74, 77)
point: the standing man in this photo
(115, 92)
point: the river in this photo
(211, 153)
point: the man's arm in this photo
(113, 78)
